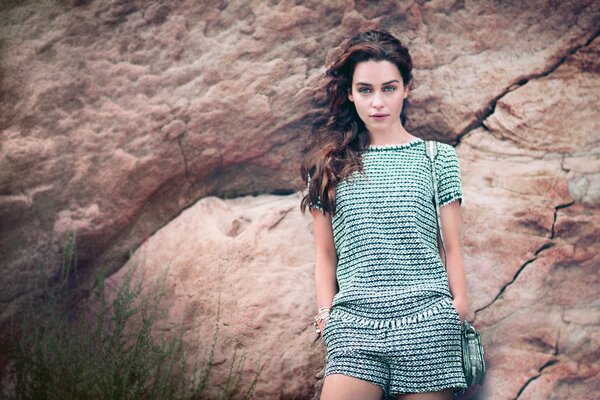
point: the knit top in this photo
(389, 269)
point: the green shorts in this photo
(416, 357)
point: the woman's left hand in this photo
(462, 308)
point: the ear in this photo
(350, 97)
(408, 88)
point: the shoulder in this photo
(445, 148)
(446, 152)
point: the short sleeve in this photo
(318, 202)
(447, 168)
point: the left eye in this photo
(390, 89)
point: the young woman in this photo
(390, 304)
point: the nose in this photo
(376, 100)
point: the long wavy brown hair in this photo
(337, 146)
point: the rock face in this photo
(117, 117)
(257, 252)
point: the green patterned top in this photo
(389, 268)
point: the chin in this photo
(377, 127)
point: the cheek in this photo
(395, 102)
(361, 105)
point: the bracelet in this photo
(322, 315)
(324, 310)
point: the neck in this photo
(394, 134)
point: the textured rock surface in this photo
(259, 251)
(535, 168)
(116, 116)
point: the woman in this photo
(390, 312)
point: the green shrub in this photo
(103, 349)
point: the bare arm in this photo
(325, 259)
(451, 223)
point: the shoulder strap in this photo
(431, 150)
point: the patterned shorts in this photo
(421, 356)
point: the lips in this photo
(379, 116)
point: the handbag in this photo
(472, 348)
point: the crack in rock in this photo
(533, 378)
(503, 288)
(547, 364)
(543, 247)
(558, 207)
(281, 216)
(482, 114)
(185, 161)
(562, 164)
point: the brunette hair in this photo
(336, 149)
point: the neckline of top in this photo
(395, 145)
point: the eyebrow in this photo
(384, 83)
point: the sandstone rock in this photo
(118, 117)
(257, 252)
(535, 275)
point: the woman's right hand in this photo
(321, 325)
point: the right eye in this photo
(363, 90)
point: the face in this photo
(377, 93)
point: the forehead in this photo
(375, 72)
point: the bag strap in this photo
(431, 150)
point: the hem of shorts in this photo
(359, 376)
(437, 307)
(457, 389)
